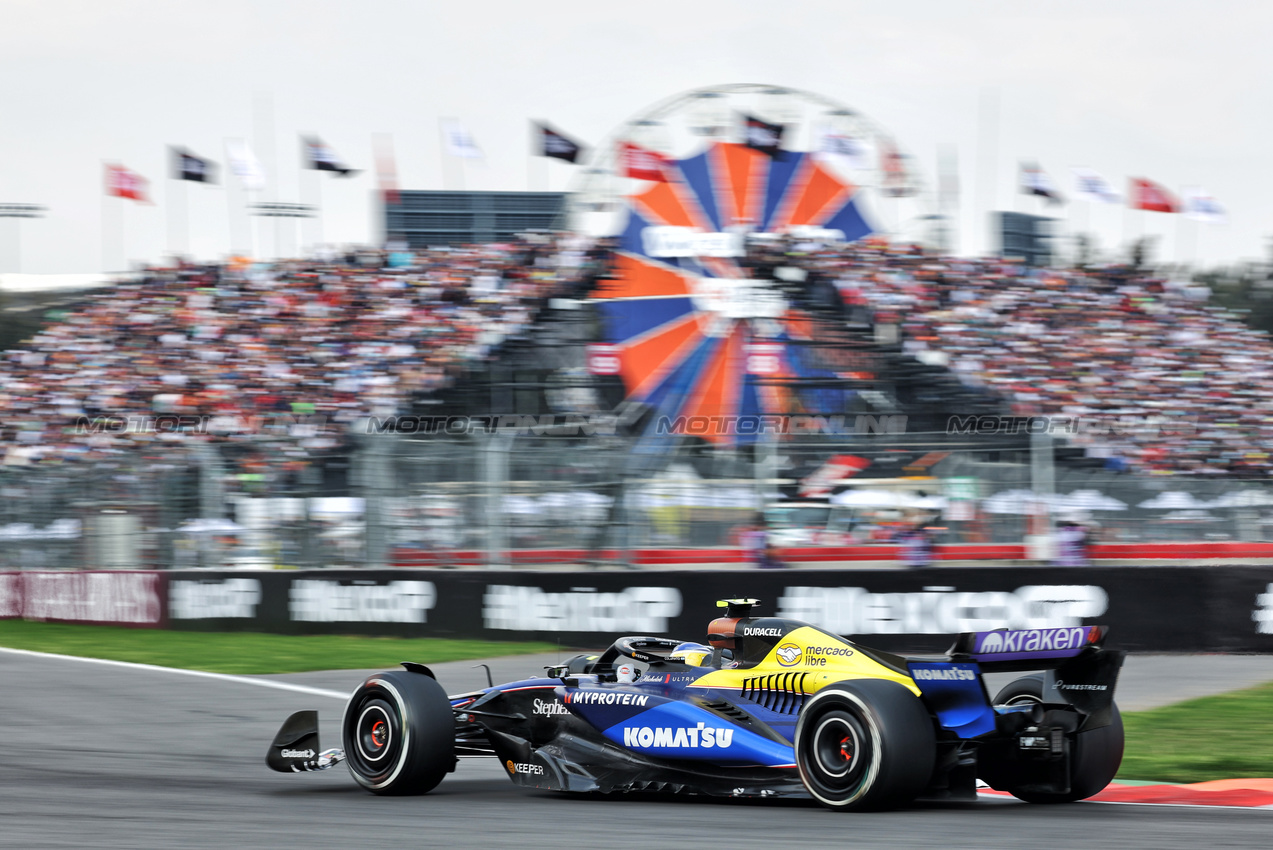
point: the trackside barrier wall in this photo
(1164, 609)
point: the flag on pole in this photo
(1035, 181)
(1148, 195)
(245, 165)
(320, 157)
(1091, 186)
(642, 163)
(557, 146)
(386, 168)
(1200, 206)
(187, 166)
(459, 141)
(763, 136)
(122, 183)
(896, 181)
(841, 147)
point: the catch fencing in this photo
(532, 499)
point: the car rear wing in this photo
(1008, 650)
(1080, 671)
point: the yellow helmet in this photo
(693, 654)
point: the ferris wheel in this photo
(888, 187)
(689, 189)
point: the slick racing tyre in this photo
(1094, 756)
(865, 745)
(399, 733)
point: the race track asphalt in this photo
(119, 757)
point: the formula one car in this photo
(771, 707)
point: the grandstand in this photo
(280, 366)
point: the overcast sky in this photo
(1173, 91)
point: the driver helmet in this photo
(693, 654)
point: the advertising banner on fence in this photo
(1162, 609)
(1149, 609)
(106, 597)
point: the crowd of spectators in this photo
(291, 350)
(1153, 377)
(1141, 371)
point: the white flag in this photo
(852, 152)
(1090, 186)
(245, 165)
(459, 142)
(1200, 206)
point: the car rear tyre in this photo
(1095, 754)
(399, 733)
(864, 745)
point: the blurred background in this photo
(303, 285)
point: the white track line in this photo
(225, 677)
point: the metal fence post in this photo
(1040, 545)
(496, 449)
(376, 480)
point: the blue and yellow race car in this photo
(765, 707)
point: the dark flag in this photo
(1035, 181)
(187, 166)
(763, 136)
(554, 144)
(322, 158)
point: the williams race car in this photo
(769, 707)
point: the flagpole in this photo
(988, 133)
(442, 154)
(263, 130)
(1080, 232)
(1128, 211)
(229, 204)
(172, 228)
(1186, 235)
(318, 208)
(105, 214)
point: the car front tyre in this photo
(398, 733)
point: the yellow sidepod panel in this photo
(805, 661)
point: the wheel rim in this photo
(375, 731)
(836, 743)
(374, 737)
(838, 757)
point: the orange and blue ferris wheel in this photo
(684, 314)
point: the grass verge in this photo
(248, 652)
(1227, 736)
